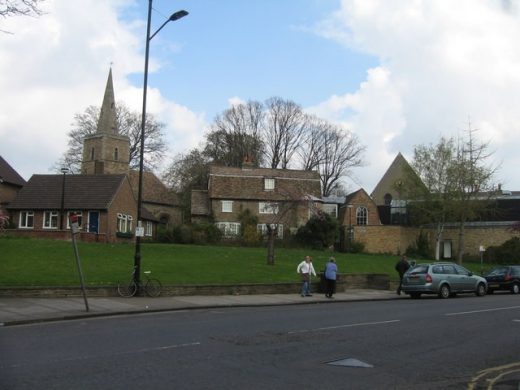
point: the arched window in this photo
(388, 199)
(92, 154)
(362, 215)
(116, 154)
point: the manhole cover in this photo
(350, 363)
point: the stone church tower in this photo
(106, 151)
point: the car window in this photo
(461, 270)
(498, 271)
(450, 270)
(419, 269)
(515, 271)
(438, 269)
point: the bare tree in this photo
(312, 142)
(10, 8)
(340, 153)
(283, 130)
(235, 135)
(129, 124)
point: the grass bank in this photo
(34, 262)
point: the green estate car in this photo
(442, 278)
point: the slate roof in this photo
(154, 190)
(9, 175)
(43, 192)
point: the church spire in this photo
(107, 123)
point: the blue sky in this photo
(396, 73)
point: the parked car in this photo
(506, 277)
(442, 278)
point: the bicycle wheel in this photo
(153, 287)
(127, 290)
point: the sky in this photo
(397, 73)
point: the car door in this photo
(465, 282)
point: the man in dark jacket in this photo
(401, 267)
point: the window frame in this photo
(50, 219)
(268, 208)
(262, 229)
(28, 215)
(269, 184)
(362, 216)
(226, 206)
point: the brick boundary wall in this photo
(344, 283)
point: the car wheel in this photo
(444, 291)
(516, 288)
(415, 295)
(481, 290)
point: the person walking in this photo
(305, 269)
(401, 267)
(331, 271)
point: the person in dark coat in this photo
(401, 267)
(331, 271)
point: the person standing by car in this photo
(305, 269)
(331, 271)
(401, 267)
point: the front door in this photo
(93, 221)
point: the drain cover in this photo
(350, 363)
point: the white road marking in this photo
(482, 311)
(343, 326)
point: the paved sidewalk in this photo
(17, 311)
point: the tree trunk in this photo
(270, 245)
(461, 243)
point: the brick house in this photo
(10, 183)
(105, 205)
(283, 197)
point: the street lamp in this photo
(139, 230)
(63, 170)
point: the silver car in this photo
(442, 278)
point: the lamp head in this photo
(177, 15)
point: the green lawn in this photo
(33, 262)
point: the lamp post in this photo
(63, 170)
(139, 230)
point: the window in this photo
(331, 209)
(148, 229)
(50, 220)
(227, 206)
(268, 184)
(262, 229)
(124, 223)
(361, 216)
(267, 208)
(116, 154)
(92, 154)
(26, 219)
(79, 214)
(229, 229)
(388, 199)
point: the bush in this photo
(357, 247)
(206, 233)
(507, 253)
(320, 231)
(250, 236)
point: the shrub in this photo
(320, 231)
(357, 247)
(250, 236)
(206, 233)
(507, 253)
(420, 248)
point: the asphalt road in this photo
(460, 343)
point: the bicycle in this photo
(151, 286)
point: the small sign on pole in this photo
(481, 249)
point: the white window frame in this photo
(79, 214)
(362, 216)
(229, 229)
(148, 230)
(331, 209)
(262, 229)
(50, 219)
(227, 206)
(124, 223)
(269, 184)
(268, 208)
(25, 218)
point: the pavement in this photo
(18, 311)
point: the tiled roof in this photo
(9, 175)
(238, 183)
(43, 192)
(154, 190)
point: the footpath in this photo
(18, 311)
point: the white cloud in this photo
(55, 66)
(442, 64)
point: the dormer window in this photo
(268, 184)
